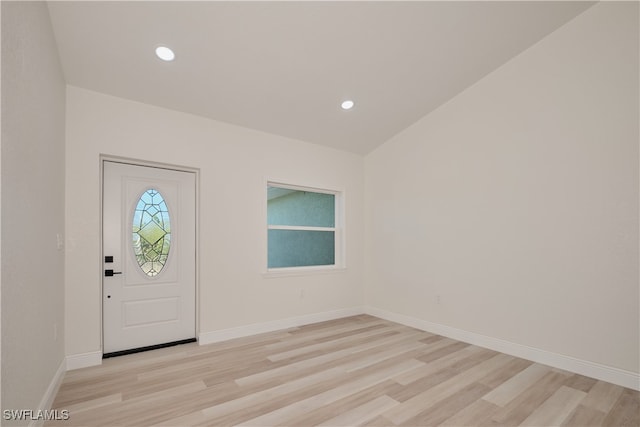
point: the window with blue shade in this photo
(302, 227)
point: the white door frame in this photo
(138, 162)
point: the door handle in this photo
(109, 273)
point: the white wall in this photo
(517, 201)
(33, 99)
(233, 163)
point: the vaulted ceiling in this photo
(285, 67)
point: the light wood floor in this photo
(355, 371)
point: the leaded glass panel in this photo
(151, 232)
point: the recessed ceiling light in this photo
(347, 105)
(165, 53)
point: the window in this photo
(303, 227)
(151, 237)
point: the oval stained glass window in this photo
(151, 232)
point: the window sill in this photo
(301, 271)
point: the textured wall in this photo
(33, 123)
(512, 210)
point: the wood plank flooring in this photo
(359, 370)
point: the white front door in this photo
(149, 256)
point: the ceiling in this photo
(284, 67)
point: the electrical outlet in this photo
(438, 299)
(301, 293)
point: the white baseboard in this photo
(583, 367)
(50, 393)
(84, 360)
(275, 325)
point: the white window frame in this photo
(338, 229)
